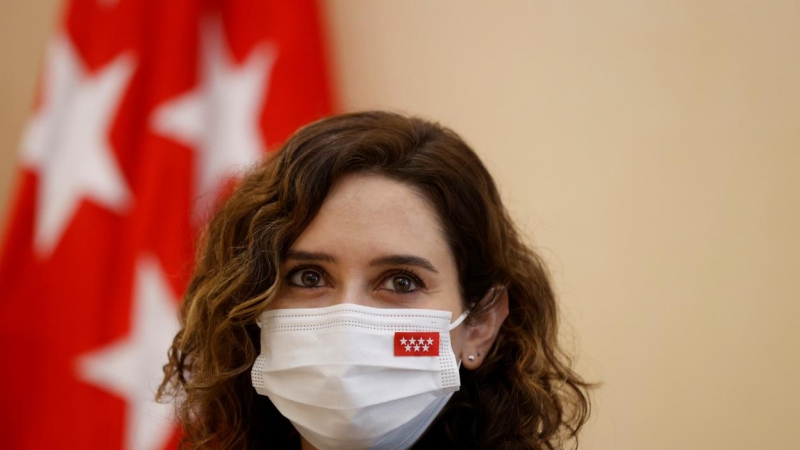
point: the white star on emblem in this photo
(131, 367)
(416, 348)
(408, 348)
(430, 341)
(403, 341)
(67, 140)
(425, 348)
(220, 118)
(413, 341)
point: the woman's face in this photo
(375, 242)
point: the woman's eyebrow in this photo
(301, 255)
(403, 260)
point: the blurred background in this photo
(649, 149)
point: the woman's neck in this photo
(304, 445)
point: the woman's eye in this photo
(402, 284)
(306, 278)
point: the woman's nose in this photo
(355, 292)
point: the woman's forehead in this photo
(371, 214)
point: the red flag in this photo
(146, 108)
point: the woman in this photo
(365, 288)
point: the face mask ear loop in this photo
(459, 320)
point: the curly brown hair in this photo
(525, 395)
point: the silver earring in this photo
(471, 358)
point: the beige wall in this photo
(24, 28)
(651, 151)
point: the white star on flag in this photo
(67, 140)
(408, 348)
(131, 367)
(219, 119)
(425, 348)
(413, 341)
(403, 341)
(430, 341)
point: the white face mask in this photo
(355, 377)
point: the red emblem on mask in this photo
(416, 344)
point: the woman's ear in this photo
(482, 332)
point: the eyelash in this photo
(408, 273)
